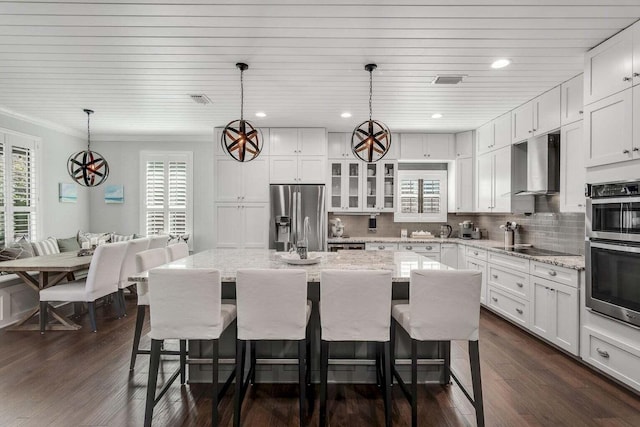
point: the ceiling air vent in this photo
(448, 79)
(200, 99)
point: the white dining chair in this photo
(355, 305)
(186, 304)
(101, 281)
(272, 305)
(443, 306)
(129, 268)
(158, 241)
(145, 260)
(177, 251)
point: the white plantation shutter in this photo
(167, 192)
(422, 196)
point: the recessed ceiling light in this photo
(436, 116)
(500, 63)
(261, 114)
(345, 115)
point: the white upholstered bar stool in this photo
(272, 305)
(443, 306)
(129, 268)
(102, 280)
(177, 251)
(356, 306)
(158, 241)
(186, 304)
(145, 260)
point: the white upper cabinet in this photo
(284, 141)
(502, 131)
(294, 141)
(419, 146)
(571, 100)
(537, 117)
(484, 183)
(249, 181)
(464, 185)
(636, 54)
(485, 136)
(502, 180)
(464, 144)
(635, 149)
(609, 129)
(608, 67)
(412, 146)
(339, 145)
(573, 174)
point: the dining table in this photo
(40, 272)
(355, 359)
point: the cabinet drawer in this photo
(509, 306)
(613, 357)
(477, 253)
(381, 247)
(511, 281)
(420, 247)
(509, 261)
(566, 276)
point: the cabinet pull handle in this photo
(495, 276)
(530, 131)
(428, 247)
(602, 353)
(636, 74)
(626, 79)
(580, 112)
(552, 273)
(625, 151)
(519, 310)
(475, 252)
(408, 247)
(535, 130)
(636, 149)
(381, 247)
(494, 299)
(519, 284)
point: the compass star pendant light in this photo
(371, 139)
(240, 139)
(88, 168)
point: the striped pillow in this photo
(121, 237)
(46, 247)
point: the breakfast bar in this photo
(356, 360)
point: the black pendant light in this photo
(88, 168)
(240, 139)
(371, 139)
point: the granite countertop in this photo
(575, 262)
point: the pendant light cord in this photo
(241, 95)
(370, 92)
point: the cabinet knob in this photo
(580, 206)
(475, 252)
(535, 130)
(494, 299)
(636, 149)
(408, 248)
(495, 276)
(428, 155)
(519, 284)
(626, 79)
(602, 353)
(519, 310)
(625, 151)
(636, 74)
(381, 247)
(530, 131)
(580, 112)
(552, 273)
(428, 248)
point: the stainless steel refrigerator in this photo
(290, 205)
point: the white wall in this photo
(124, 163)
(57, 219)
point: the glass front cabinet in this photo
(379, 187)
(345, 192)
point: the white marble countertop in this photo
(228, 261)
(575, 262)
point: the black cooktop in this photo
(533, 251)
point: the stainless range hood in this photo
(543, 165)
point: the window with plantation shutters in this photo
(422, 196)
(167, 194)
(19, 191)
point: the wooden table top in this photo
(65, 261)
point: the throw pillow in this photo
(48, 246)
(121, 237)
(69, 244)
(101, 238)
(8, 254)
(25, 245)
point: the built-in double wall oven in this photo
(613, 250)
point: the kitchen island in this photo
(358, 357)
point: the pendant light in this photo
(88, 168)
(240, 139)
(371, 139)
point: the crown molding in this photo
(41, 122)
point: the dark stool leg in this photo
(136, 336)
(252, 356)
(379, 380)
(43, 315)
(302, 376)
(183, 361)
(214, 398)
(324, 373)
(92, 316)
(123, 306)
(237, 399)
(154, 363)
(446, 347)
(414, 382)
(474, 358)
(388, 379)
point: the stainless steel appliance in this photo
(445, 231)
(543, 165)
(335, 247)
(466, 230)
(613, 250)
(297, 202)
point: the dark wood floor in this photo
(82, 379)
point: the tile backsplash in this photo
(546, 229)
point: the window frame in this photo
(440, 175)
(166, 157)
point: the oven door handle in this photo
(613, 247)
(614, 200)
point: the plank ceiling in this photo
(135, 62)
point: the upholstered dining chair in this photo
(129, 268)
(177, 251)
(101, 281)
(444, 305)
(145, 260)
(272, 305)
(158, 241)
(186, 304)
(355, 305)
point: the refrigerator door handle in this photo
(294, 217)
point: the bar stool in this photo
(186, 304)
(356, 306)
(177, 251)
(129, 268)
(145, 260)
(272, 305)
(443, 306)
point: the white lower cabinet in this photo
(555, 313)
(481, 266)
(513, 308)
(381, 246)
(449, 254)
(242, 226)
(614, 356)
